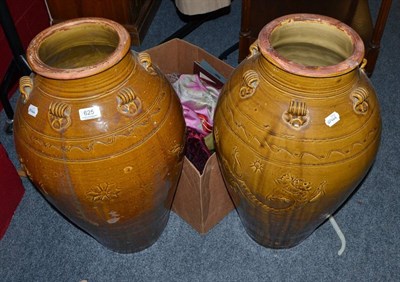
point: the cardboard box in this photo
(201, 199)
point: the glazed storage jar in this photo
(297, 127)
(100, 132)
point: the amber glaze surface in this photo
(297, 127)
(100, 132)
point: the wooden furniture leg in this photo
(18, 64)
(373, 48)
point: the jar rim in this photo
(43, 69)
(345, 66)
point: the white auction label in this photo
(33, 110)
(332, 119)
(89, 113)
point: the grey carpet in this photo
(40, 245)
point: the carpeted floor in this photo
(40, 245)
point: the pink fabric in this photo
(198, 100)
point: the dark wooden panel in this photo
(257, 13)
(135, 15)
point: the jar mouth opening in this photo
(311, 45)
(78, 48)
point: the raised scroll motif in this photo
(128, 103)
(289, 191)
(177, 150)
(42, 188)
(216, 135)
(25, 87)
(303, 190)
(236, 166)
(360, 100)
(24, 168)
(363, 64)
(145, 61)
(297, 114)
(59, 116)
(253, 49)
(103, 192)
(292, 192)
(128, 169)
(113, 217)
(152, 112)
(249, 84)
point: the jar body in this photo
(106, 149)
(292, 147)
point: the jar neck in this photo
(310, 54)
(306, 86)
(78, 48)
(89, 86)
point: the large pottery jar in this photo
(100, 132)
(297, 127)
